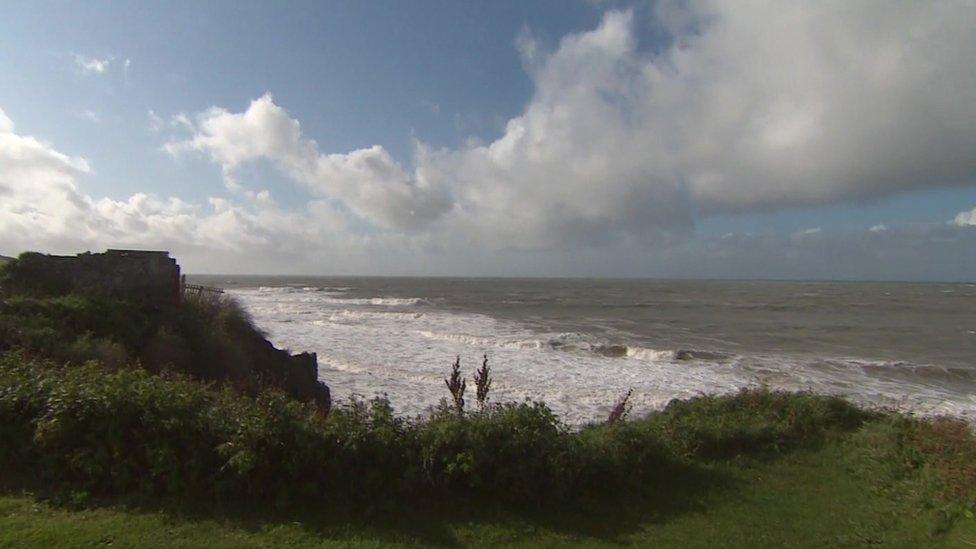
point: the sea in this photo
(580, 344)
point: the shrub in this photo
(126, 431)
(753, 421)
(377, 453)
(207, 339)
(931, 461)
(510, 450)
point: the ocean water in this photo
(579, 345)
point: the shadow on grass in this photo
(421, 520)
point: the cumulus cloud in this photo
(42, 208)
(6, 124)
(367, 181)
(965, 219)
(752, 107)
(749, 107)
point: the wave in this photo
(916, 371)
(378, 301)
(331, 295)
(349, 316)
(573, 342)
(397, 345)
(300, 289)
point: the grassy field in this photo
(808, 498)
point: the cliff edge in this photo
(129, 307)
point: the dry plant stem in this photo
(482, 382)
(456, 385)
(620, 409)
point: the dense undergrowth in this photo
(99, 431)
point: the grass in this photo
(808, 498)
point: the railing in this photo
(201, 293)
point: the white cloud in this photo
(965, 219)
(753, 107)
(43, 209)
(367, 181)
(178, 121)
(878, 228)
(94, 65)
(6, 124)
(90, 115)
(806, 234)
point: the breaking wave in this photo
(574, 342)
(403, 346)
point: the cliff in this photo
(127, 307)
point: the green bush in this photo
(377, 453)
(510, 449)
(932, 462)
(754, 421)
(50, 326)
(210, 340)
(126, 431)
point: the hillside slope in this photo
(206, 336)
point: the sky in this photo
(686, 139)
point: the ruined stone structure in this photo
(150, 277)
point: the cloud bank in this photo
(753, 107)
(750, 107)
(41, 207)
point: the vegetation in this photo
(207, 337)
(156, 445)
(121, 424)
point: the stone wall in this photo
(151, 277)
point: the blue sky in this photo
(355, 73)
(495, 138)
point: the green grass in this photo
(807, 498)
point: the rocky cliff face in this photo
(297, 374)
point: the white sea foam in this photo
(403, 347)
(649, 354)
